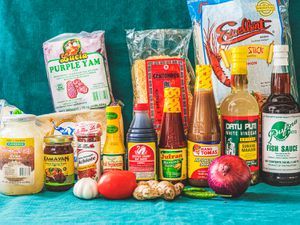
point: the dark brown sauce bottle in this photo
(281, 117)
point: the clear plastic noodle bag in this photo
(159, 59)
(219, 25)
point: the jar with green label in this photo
(58, 162)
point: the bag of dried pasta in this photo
(158, 60)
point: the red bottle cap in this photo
(141, 107)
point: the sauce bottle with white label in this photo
(142, 145)
(281, 127)
(240, 116)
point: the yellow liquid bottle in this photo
(114, 149)
(240, 116)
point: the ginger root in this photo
(153, 189)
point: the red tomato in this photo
(117, 184)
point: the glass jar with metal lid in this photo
(59, 162)
(21, 156)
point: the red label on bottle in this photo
(142, 160)
(162, 73)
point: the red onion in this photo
(229, 175)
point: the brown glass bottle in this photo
(58, 163)
(172, 144)
(204, 135)
(281, 129)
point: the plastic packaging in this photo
(159, 59)
(77, 70)
(219, 25)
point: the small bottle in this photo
(59, 162)
(141, 145)
(172, 144)
(204, 135)
(281, 127)
(114, 149)
(240, 116)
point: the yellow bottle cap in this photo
(203, 77)
(172, 103)
(239, 60)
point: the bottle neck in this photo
(113, 129)
(172, 105)
(239, 83)
(280, 81)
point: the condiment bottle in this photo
(141, 145)
(59, 162)
(281, 127)
(172, 144)
(21, 156)
(204, 134)
(88, 136)
(240, 116)
(114, 149)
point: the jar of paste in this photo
(59, 162)
(88, 136)
(21, 156)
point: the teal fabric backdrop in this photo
(26, 24)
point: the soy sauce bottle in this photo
(281, 127)
(142, 145)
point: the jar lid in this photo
(19, 118)
(58, 139)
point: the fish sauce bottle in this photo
(281, 127)
(240, 116)
(114, 149)
(172, 143)
(204, 135)
(142, 145)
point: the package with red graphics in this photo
(77, 71)
(219, 25)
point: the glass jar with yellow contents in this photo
(58, 162)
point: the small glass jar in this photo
(59, 162)
(21, 151)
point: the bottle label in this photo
(281, 143)
(88, 156)
(17, 161)
(173, 164)
(200, 156)
(59, 169)
(240, 137)
(142, 160)
(162, 73)
(113, 162)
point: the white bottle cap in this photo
(281, 55)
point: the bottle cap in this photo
(281, 55)
(239, 60)
(141, 107)
(172, 92)
(203, 77)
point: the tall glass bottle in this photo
(240, 116)
(281, 127)
(204, 135)
(172, 144)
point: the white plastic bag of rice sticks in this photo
(219, 25)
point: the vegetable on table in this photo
(117, 184)
(86, 188)
(153, 189)
(201, 193)
(229, 175)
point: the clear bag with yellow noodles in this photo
(159, 59)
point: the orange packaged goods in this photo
(159, 60)
(88, 149)
(172, 144)
(204, 135)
